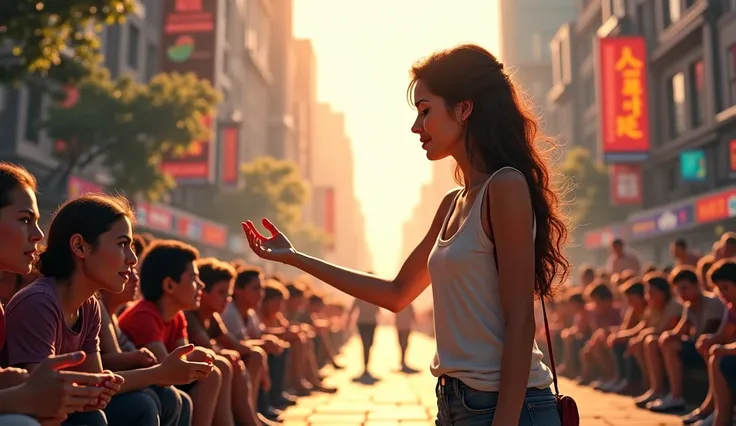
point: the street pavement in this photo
(400, 399)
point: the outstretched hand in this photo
(276, 247)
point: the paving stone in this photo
(403, 400)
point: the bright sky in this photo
(364, 50)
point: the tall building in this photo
(305, 104)
(258, 78)
(336, 209)
(282, 131)
(686, 188)
(527, 27)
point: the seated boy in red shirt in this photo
(170, 285)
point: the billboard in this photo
(189, 44)
(230, 155)
(624, 112)
(693, 166)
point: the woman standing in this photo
(494, 243)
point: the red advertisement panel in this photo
(626, 184)
(214, 235)
(189, 41)
(230, 155)
(192, 166)
(716, 207)
(77, 186)
(624, 99)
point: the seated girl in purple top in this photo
(88, 249)
(62, 392)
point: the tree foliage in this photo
(126, 126)
(273, 189)
(590, 205)
(56, 38)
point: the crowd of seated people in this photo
(653, 333)
(102, 326)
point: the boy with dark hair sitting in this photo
(170, 285)
(679, 348)
(206, 329)
(242, 321)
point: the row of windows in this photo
(687, 97)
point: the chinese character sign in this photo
(626, 184)
(623, 98)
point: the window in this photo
(33, 113)
(537, 46)
(677, 115)
(112, 50)
(151, 61)
(697, 89)
(673, 11)
(134, 35)
(732, 73)
(670, 178)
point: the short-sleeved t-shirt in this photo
(234, 322)
(143, 324)
(604, 319)
(214, 327)
(711, 311)
(36, 326)
(253, 325)
(660, 320)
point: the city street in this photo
(400, 399)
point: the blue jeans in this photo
(460, 405)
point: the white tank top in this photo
(468, 319)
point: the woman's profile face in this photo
(440, 130)
(20, 232)
(110, 262)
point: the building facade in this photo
(282, 131)
(691, 49)
(527, 27)
(134, 48)
(335, 206)
(258, 78)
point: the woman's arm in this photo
(393, 295)
(512, 223)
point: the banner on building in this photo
(664, 221)
(193, 166)
(77, 186)
(163, 218)
(230, 154)
(189, 44)
(715, 207)
(732, 158)
(623, 98)
(626, 184)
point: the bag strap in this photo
(544, 314)
(549, 348)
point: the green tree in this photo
(273, 189)
(590, 203)
(126, 126)
(56, 38)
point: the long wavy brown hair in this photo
(501, 131)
